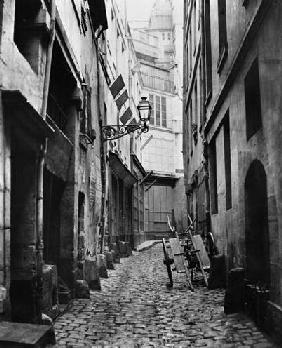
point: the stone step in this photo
(15, 335)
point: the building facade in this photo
(159, 57)
(240, 103)
(124, 171)
(195, 162)
(50, 178)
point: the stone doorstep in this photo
(14, 335)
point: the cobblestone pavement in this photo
(135, 309)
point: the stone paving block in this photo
(135, 309)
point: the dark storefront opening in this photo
(128, 217)
(114, 207)
(81, 214)
(227, 162)
(24, 292)
(53, 189)
(213, 177)
(121, 211)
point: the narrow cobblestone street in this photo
(135, 309)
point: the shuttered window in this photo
(158, 110)
(151, 100)
(164, 121)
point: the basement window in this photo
(252, 100)
(26, 13)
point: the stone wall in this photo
(70, 160)
(250, 34)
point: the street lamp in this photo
(112, 132)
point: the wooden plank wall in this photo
(158, 204)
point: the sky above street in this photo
(139, 9)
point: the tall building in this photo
(125, 191)
(50, 178)
(236, 121)
(195, 164)
(156, 50)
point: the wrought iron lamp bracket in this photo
(112, 132)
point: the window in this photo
(86, 115)
(194, 27)
(185, 144)
(158, 110)
(195, 116)
(168, 36)
(163, 36)
(26, 13)
(61, 89)
(227, 162)
(186, 72)
(222, 33)
(213, 177)
(151, 100)
(141, 206)
(81, 212)
(190, 125)
(208, 56)
(194, 125)
(245, 3)
(164, 122)
(201, 109)
(190, 51)
(83, 20)
(252, 100)
(1, 18)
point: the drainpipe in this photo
(205, 145)
(43, 149)
(102, 154)
(43, 114)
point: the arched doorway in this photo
(256, 233)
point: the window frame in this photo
(252, 97)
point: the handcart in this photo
(185, 253)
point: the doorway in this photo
(256, 233)
(53, 188)
(25, 290)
